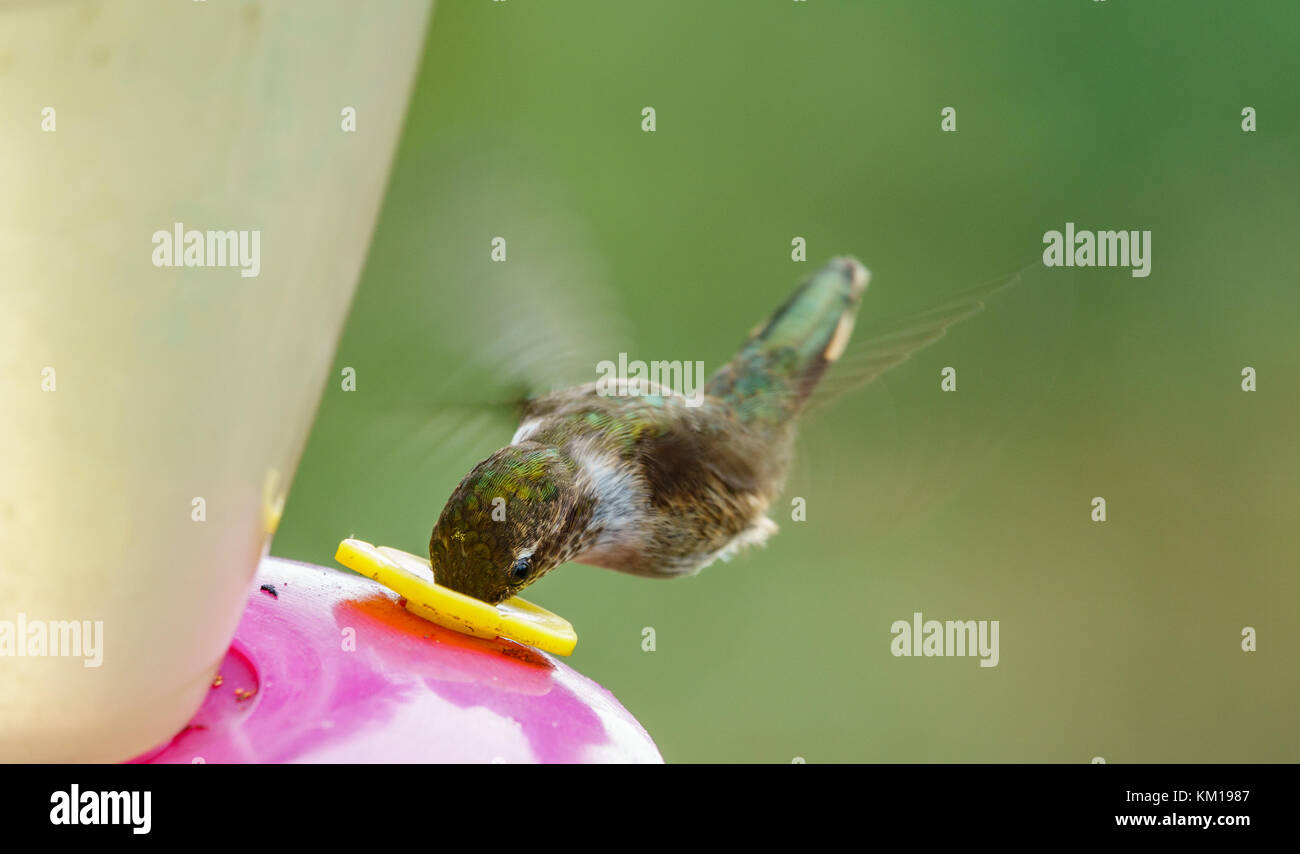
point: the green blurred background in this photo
(821, 119)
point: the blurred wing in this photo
(887, 348)
(455, 342)
(443, 350)
(517, 334)
(902, 450)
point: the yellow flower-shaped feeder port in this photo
(411, 577)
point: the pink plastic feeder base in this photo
(332, 669)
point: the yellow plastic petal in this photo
(410, 577)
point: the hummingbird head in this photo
(514, 518)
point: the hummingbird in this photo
(647, 484)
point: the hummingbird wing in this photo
(446, 342)
(511, 304)
(886, 347)
(490, 346)
(921, 447)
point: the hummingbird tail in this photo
(784, 358)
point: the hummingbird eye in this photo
(522, 567)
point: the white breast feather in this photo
(622, 496)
